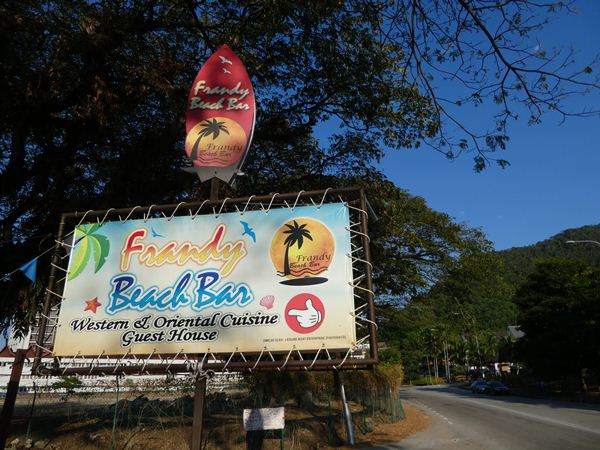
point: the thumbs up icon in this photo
(307, 317)
(304, 313)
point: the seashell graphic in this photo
(267, 301)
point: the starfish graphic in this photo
(92, 305)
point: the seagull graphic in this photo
(154, 233)
(226, 71)
(247, 230)
(225, 60)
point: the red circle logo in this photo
(304, 313)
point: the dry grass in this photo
(87, 424)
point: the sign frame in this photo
(317, 359)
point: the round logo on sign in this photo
(302, 250)
(218, 142)
(304, 313)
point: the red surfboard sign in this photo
(220, 117)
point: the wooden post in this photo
(200, 389)
(11, 396)
(214, 189)
(197, 422)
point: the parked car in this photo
(496, 388)
(478, 386)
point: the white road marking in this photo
(423, 405)
(530, 416)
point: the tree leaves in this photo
(559, 315)
(88, 243)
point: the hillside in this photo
(519, 261)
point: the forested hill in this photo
(519, 261)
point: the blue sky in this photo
(553, 182)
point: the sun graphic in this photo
(302, 248)
(217, 142)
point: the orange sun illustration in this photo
(218, 142)
(302, 248)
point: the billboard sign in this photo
(220, 117)
(247, 282)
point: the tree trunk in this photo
(286, 261)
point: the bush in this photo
(68, 383)
(425, 381)
(272, 388)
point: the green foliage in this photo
(94, 95)
(390, 356)
(560, 315)
(461, 311)
(413, 245)
(68, 383)
(519, 262)
(19, 300)
(474, 295)
(274, 388)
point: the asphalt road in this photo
(462, 420)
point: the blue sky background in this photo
(553, 182)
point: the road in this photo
(462, 420)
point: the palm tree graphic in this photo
(297, 233)
(208, 127)
(88, 244)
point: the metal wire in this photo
(129, 215)
(105, 216)
(174, 211)
(147, 215)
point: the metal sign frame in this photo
(198, 364)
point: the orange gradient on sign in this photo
(302, 248)
(217, 142)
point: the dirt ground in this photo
(87, 423)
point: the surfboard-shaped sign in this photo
(220, 117)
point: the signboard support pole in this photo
(364, 228)
(197, 422)
(214, 189)
(345, 409)
(52, 282)
(11, 396)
